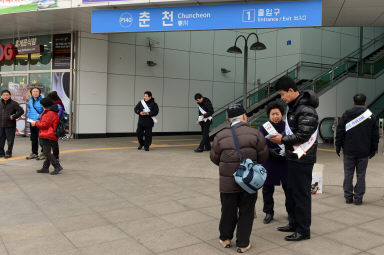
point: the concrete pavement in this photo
(113, 199)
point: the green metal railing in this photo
(349, 65)
(255, 96)
(377, 106)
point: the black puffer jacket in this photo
(303, 121)
(11, 108)
(363, 139)
(207, 106)
(146, 120)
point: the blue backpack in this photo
(249, 176)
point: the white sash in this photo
(300, 149)
(359, 119)
(272, 131)
(146, 109)
(204, 112)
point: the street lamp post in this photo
(236, 50)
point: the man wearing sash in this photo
(204, 120)
(300, 141)
(358, 134)
(147, 109)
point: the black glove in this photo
(338, 149)
(274, 153)
(372, 155)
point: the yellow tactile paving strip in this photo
(134, 147)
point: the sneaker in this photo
(40, 157)
(32, 156)
(2, 155)
(57, 170)
(358, 201)
(245, 249)
(140, 147)
(7, 156)
(198, 150)
(146, 148)
(349, 200)
(43, 171)
(226, 243)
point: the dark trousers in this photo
(35, 139)
(7, 133)
(352, 163)
(299, 196)
(49, 158)
(205, 143)
(55, 149)
(144, 132)
(237, 209)
(269, 203)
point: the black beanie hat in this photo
(46, 102)
(235, 110)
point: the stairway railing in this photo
(348, 65)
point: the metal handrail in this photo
(265, 84)
(331, 71)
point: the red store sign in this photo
(7, 52)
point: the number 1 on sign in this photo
(249, 15)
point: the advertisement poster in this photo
(61, 84)
(19, 93)
(11, 6)
(61, 51)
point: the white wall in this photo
(187, 63)
(327, 45)
(111, 82)
(340, 98)
(91, 89)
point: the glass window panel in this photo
(21, 62)
(42, 61)
(43, 80)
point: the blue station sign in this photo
(227, 16)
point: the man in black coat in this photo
(300, 140)
(147, 109)
(358, 134)
(204, 120)
(9, 111)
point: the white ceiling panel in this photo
(363, 16)
(332, 3)
(365, 3)
(329, 16)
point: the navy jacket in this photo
(276, 165)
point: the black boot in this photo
(45, 168)
(57, 167)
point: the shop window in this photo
(43, 80)
(42, 61)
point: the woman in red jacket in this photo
(47, 126)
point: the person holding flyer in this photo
(204, 120)
(300, 141)
(147, 109)
(276, 165)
